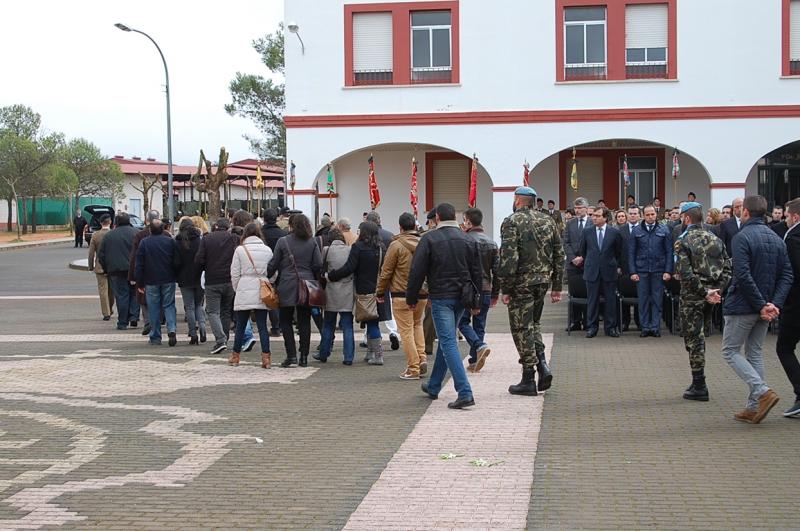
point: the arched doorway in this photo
(776, 175)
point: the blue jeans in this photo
(373, 329)
(193, 308)
(125, 295)
(446, 314)
(329, 328)
(473, 327)
(243, 322)
(650, 289)
(161, 297)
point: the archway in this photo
(776, 175)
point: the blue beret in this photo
(690, 205)
(526, 191)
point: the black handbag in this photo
(470, 296)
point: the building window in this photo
(585, 41)
(642, 174)
(372, 49)
(646, 39)
(794, 38)
(431, 47)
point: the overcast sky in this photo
(67, 61)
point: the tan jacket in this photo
(397, 264)
(350, 237)
(94, 248)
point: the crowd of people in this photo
(440, 281)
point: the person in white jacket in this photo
(248, 269)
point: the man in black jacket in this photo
(789, 331)
(114, 257)
(729, 227)
(157, 259)
(215, 256)
(80, 226)
(450, 260)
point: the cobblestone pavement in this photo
(98, 430)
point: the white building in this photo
(513, 81)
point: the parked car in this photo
(97, 211)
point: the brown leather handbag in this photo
(267, 292)
(367, 304)
(309, 292)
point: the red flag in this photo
(473, 182)
(414, 194)
(526, 174)
(374, 193)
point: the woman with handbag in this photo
(364, 263)
(248, 269)
(298, 261)
(339, 300)
(188, 239)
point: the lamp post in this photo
(170, 206)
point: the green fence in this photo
(54, 211)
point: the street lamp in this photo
(171, 208)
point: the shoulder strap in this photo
(291, 257)
(250, 257)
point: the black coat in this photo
(779, 228)
(364, 264)
(791, 308)
(271, 233)
(294, 257)
(601, 264)
(189, 272)
(727, 230)
(114, 254)
(215, 256)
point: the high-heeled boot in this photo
(266, 360)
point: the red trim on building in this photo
(301, 192)
(401, 36)
(328, 196)
(728, 185)
(786, 69)
(611, 177)
(431, 156)
(615, 35)
(504, 188)
(554, 116)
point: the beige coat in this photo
(94, 249)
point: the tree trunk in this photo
(24, 215)
(10, 201)
(33, 215)
(213, 205)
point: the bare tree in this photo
(148, 183)
(213, 181)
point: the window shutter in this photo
(794, 34)
(646, 26)
(451, 183)
(372, 42)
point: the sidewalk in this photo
(33, 240)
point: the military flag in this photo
(329, 184)
(676, 167)
(473, 182)
(292, 179)
(573, 177)
(374, 193)
(625, 175)
(526, 174)
(259, 179)
(414, 196)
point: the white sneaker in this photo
(249, 345)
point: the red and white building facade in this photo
(718, 80)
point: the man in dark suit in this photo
(789, 330)
(573, 234)
(600, 253)
(729, 227)
(626, 230)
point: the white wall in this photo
(4, 212)
(508, 62)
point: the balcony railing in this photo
(439, 74)
(646, 70)
(372, 77)
(794, 67)
(587, 72)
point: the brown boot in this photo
(765, 403)
(233, 360)
(745, 416)
(266, 360)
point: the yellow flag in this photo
(573, 178)
(259, 180)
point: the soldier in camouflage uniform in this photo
(704, 270)
(531, 260)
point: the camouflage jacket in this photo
(701, 263)
(531, 251)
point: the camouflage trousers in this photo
(524, 314)
(695, 321)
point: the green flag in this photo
(331, 189)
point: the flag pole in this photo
(625, 183)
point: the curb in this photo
(28, 245)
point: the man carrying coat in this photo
(650, 264)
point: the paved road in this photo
(115, 434)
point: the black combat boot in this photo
(545, 375)
(526, 386)
(698, 390)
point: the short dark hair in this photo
(727, 206)
(105, 218)
(270, 215)
(632, 207)
(221, 224)
(692, 194)
(551, 202)
(122, 219)
(756, 205)
(695, 215)
(475, 216)
(374, 217)
(604, 210)
(407, 221)
(793, 206)
(241, 218)
(539, 199)
(446, 212)
(301, 226)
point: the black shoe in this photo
(793, 411)
(363, 344)
(424, 387)
(202, 336)
(696, 392)
(275, 333)
(644, 333)
(219, 347)
(625, 328)
(394, 341)
(319, 358)
(574, 327)
(106, 318)
(347, 362)
(461, 403)
(655, 333)
(122, 327)
(133, 324)
(172, 339)
(146, 329)
(303, 360)
(545, 374)
(526, 386)
(289, 362)
(613, 333)
(591, 333)
(193, 340)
